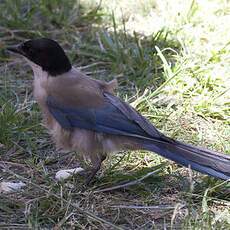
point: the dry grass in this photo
(174, 69)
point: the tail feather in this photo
(199, 159)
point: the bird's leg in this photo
(95, 169)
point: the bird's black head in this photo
(46, 53)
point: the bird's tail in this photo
(199, 159)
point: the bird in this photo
(83, 114)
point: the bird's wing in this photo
(112, 116)
(132, 115)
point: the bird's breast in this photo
(40, 92)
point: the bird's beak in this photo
(16, 49)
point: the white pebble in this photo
(8, 187)
(66, 173)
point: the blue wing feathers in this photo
(107, 119)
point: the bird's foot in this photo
(91, 176)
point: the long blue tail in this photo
(199, 159)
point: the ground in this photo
(172, 63)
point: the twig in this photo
(100, 43)
(90, 65)
(129, 183)
(13, 226)
(175, 212)
(2, 163)
(95, 72)
(145, 207)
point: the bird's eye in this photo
(30, 51)
(39, 50)
(26, 48)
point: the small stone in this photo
(66, 173)
(9, 187)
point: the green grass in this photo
(171, 59)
